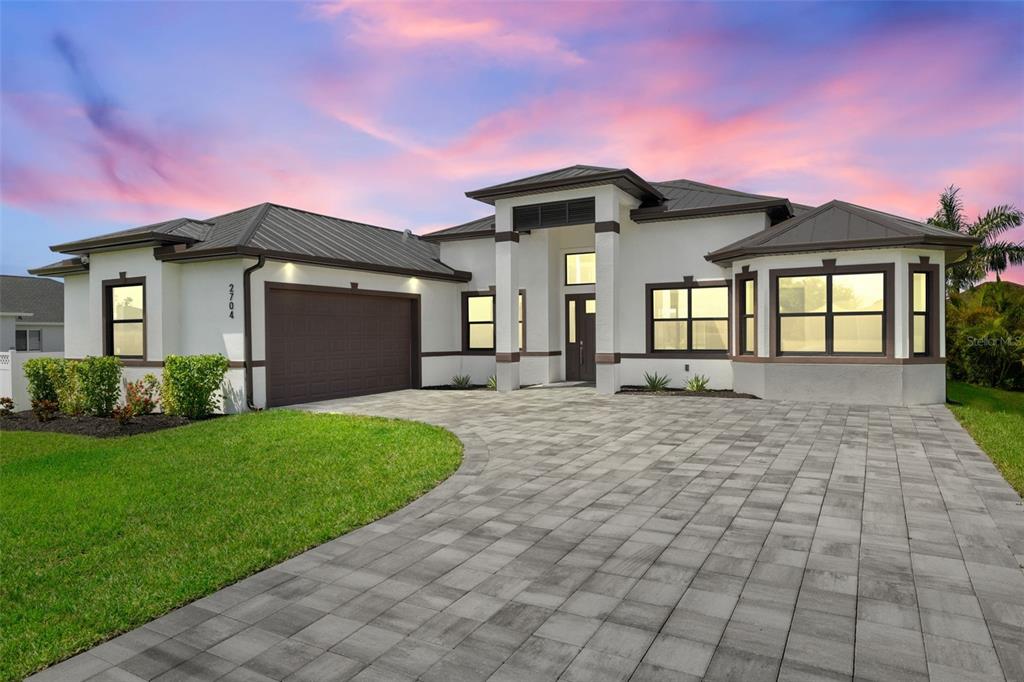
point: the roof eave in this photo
(251, 252)
(649, 215)
(489, 195)
(457, 236)
(141, 239)
(951, 243)
(58, 271)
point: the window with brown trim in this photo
(688, 317)
(580, 268)
(478, 322)
(924, 323)
(832, 313)
(125, 312)
(746, 313)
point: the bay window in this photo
(832, 313)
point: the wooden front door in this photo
(580, 337)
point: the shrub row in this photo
(93, 386)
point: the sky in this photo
(119, 114)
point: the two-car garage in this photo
(325, 342)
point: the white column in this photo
(506, 300)
(606, 247)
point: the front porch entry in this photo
(580, 337)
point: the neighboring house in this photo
(31, 314)
(584, 273)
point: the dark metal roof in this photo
(288, 233)
(569, 178)
(42, 298)
(841, 225)
(67, 266)
(481, 227)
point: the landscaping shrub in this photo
(45, 410)
(142, 395)
(100, 380)
(123, 413)
(39, 373)
(66, 379)
(698, 382)
(492, 383)
(191, 383)
(985, 336)
(462, 381)
(6, 406)
(656, 382)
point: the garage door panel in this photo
(323, 344)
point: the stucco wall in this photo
(855, 384)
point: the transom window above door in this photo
(580, 268)
(685, 318)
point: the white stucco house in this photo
(583, 273)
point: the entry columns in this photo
(606, 248)
(506, 302)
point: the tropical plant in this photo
(985, 335)
(45, 410)
(123, 413)
(992, 254)
(697, 383)
(492, 383)
(462, 381)
(656, 382)
(191, 383)
(6, 406)
(142, 395)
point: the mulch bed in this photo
(449, 387)
(100, 427)
(680, 392)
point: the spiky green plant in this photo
(698, 382)
(462, 381)
(656, 382)
(492, 383)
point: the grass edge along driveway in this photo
(995, 420)
(99, 536)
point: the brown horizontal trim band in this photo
(506, 357)
(540, 353)
(678, 355)
(446, 353)
(607, 358)
(649, 215)
(836, 360)
(606, 226)
(506, 236)
(344, 291)
(241, 252)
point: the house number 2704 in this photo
(231, 300)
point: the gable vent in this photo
(553, 214)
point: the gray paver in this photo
(636, 537)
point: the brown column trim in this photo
(607, 358)
(448, 353)
(606, 226)
(506, 358)
(500, 237)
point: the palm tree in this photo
(992, 254)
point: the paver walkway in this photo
(591, 538)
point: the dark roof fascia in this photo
(120, 241)
(960, 241)
(489, 194)
(457, 236)
(59, 269)
(251, 252)
(648, 215)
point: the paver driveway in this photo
(591, 537)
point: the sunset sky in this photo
(118, 114)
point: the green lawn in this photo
(995, 419)
(100, 536)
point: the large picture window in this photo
(580, 268)
(685, 318)
(832, 314)
(478, 314)
(126, 318)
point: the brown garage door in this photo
(325, 343)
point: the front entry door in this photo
(580, 337)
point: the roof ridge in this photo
(254, 224)
(861, 210)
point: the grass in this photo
(995, 419)
(100, 536)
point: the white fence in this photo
(12, 375)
